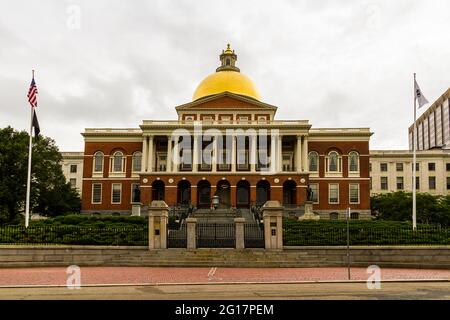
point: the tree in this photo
(397, 206)
(50, 194)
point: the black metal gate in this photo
(216, 235)
(254, 235)
(177, 238)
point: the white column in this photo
(150, 154)
(144, 154)
(298, 154)
(273, 154)
(176, 155)
(253, 153)
(280, 153)
(214, 155)
(233, 153)
(169, 154)
(195, 154)
(305, 153)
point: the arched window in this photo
(353, 161)
(333, 162)
(334, 216)
(137, 161)
(118, 162)
(313, 159)
(98, 161)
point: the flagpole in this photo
(30, 146)
(414, 159)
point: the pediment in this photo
(226, 101)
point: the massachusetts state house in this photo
(227, 144)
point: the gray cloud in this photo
(337, 64)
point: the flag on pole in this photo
(419, 95)
(32, 99)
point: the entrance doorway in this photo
(184, 192)
(158, 187)
(204, 194)
(289, 193)
(262, 192)
(243, 194)
(223, 192)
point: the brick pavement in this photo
(152, 275)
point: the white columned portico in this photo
(273, 153)
(169, 154)
(305, 153)
(144, 154)
(298, 154)
(253, 153)
(233, 153)
(280, 154)
(195, 154)
(150, 154)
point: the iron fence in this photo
(216, 235)
(177, 238)
(75, 235)
(253, 235)
(309, 235)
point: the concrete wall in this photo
(386, 256)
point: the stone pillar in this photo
(169, 154)
(158, 217)
(253, 152)
(280, 153)
(273, 225)
(239, 224)
(233, 153)
(191, 233)
(136, 209)
(298, 154)
(305, 153)
(195, 154)
(233, 196)
(273, 154)
(144, 154)
(150, 154)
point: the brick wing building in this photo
(227, 143)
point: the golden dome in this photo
(227, 78)
(231, 81)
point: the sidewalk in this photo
(57, 276)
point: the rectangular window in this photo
(73, 182)
(431, 166)
(116, 193)
(417, 183)
(447, 166)
(448, 183)
(333, 193)
(400, 185)
(432, 183)
(135, 193)
(315, 192)
(383, 167)
(384, 183)
(73, 168)
(354, 192)
(97, 193)
(417, 166)
(399, 166)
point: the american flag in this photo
(32, 98)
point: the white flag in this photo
(419, 95)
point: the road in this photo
(347, 291)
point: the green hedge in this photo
(300, 233)
(75, 235)
(94, 221)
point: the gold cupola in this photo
(227, 78)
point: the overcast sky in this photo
(115, 63)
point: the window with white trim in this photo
(96, 193)
(334, 162)
(313, 161)
(354, 192)
(333, 193)
(315, 192)
(118, 162)
(137, 161)
(116, 194)
(98, 161)
(353, 162)
(135, 193)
